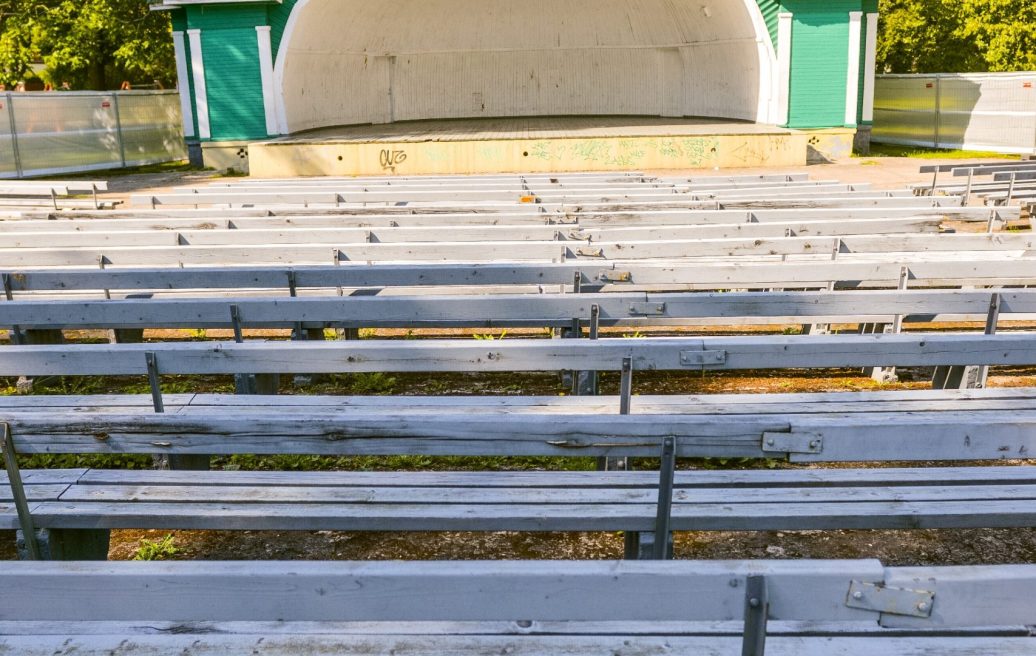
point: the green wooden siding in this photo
(770, 9)
(819, 61)
(232, 80)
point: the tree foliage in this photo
(92, 44)
(957, 36)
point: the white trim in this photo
(201, 96)
(262, 34)
(869, 65)
(278, 67)
(784, 31)
(183, 84)
(767, 111)
(852, 75)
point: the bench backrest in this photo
(511, 310)
(856, 592)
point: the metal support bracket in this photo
(152, 378)
(16, 331)
(757, 612)
(235, 319)
(590, 252)
(792, 443)
(21, 502)
(647, 309)
(664, 515)
(616, 276)
(293, 292)
(595, 320)
(626, 386)
(702, 358)
(890, 601)
(992, 318)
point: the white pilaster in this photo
(183, 84)
(869, 65)
(201, 96)
(852, 78)
(262, 33)
(784, 24)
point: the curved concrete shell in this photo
(347, 62)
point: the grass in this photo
(891, 150)
(156, 549)
(165, 167)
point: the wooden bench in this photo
(752, 608)
(943, 426)
(1007, 245)
(516, 277)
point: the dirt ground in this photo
(928, 547)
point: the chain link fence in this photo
(55, 132)
(986, 111)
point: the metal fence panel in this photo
(66, 132)
(989, 111)
(152, 130)
(8, 161)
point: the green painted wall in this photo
(232, 80)
(819, 61)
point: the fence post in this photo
(938, 110)
(14, 135)
(118, 129)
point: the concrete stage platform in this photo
(561, 144)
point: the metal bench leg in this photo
(658, 544)
(757, 611)
(969, 376)
(21, 503)
(177, 462)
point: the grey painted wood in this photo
(207, 643)
(87, 221)
(512, 251)
(424, 591)
(294, 235)
(677, 353)
(633, 275)
(940, 435)
(517, 310)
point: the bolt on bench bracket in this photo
(890, 601)
(702, 358)
(792, 443)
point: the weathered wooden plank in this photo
(714, 479)
(975, 400)
(550, 493)
(990, 270)
(345, 516)
(425, 591)
(514, 309)
(205, 643)
(204, 220)
(548, 251)
(662, 353)
(292, 234)
(939, 435)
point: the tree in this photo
(924, 36)
(957, 36)
(92, 44)
(1004, 31)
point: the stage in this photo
(555, 144)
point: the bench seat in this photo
(787, 499)
(526, 608)
(794, 499)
